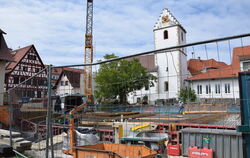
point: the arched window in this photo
(166, 85)
(165, 34)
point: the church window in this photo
(182, 36)
(165, 34)
(166, 85)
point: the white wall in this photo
(174, 61)
(234, 88)
(66, 89)
(173, 39)
(2, 76)
(168, 71)
(152, 93)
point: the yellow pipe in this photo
(196, 112)
(140, 126)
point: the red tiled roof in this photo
(195, 66)
(226, 71)
(17, 56)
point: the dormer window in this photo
(246, 65)
(165, 34)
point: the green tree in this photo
(187, 94)
(118, 78)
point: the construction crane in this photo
(88, 53)
(88, 59)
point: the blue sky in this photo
(123, 27)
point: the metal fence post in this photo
(10, 109)
(49, 132)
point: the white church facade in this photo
(170, 66)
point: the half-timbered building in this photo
(27, 63)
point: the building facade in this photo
(5, 57)
(171, 66)
(27, 63)
(215, 81)
(68, 82)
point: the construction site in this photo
(179, 100)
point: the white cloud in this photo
(125, 27)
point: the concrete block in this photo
(6, 133)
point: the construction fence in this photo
(188, 86)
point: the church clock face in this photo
(165, 19)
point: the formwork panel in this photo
(225, 143)
(219, 146)
(227, 146)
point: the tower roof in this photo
(166, 19)
(5, 54)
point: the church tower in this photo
(172, 65)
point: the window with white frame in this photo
(227, 88)
(208, 89)
(217, 88)
(246, 66)
(199, 89)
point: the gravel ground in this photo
(42, 153)
(229, 120)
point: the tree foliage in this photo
(115, 80)
(187, 94)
